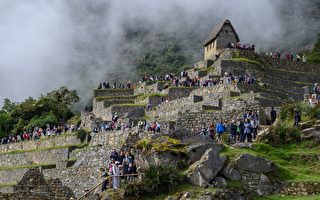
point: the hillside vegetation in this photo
(52, 108)
(314, 56)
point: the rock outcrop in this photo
(251, 163)
(310, 134)
(205, 170)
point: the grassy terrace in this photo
(45, 166)
(7, 184)
(79, 146)
(254, 62)
(124, 97)
(297, 162)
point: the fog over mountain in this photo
(47, 44)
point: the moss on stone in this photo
(168, 144)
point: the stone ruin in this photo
(33, 186)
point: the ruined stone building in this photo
(219, 38)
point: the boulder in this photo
(205, 170)
(185, 196)
(251, 163)
(196, 151)
(310, 134)
(231, 173)
(169, 198)
(264, 179)
(205, 197)
(307, 124)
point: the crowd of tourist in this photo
(121, 166)
(288, 56)
(244, 129)
(314, 96)
(240, 46)
(115, 85)
(36, 133)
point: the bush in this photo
(43, 120)
(82, 134)
(157, 180)
(144, 144)
(281, 133)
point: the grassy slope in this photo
(295, 161)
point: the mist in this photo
(48, 44)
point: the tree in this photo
(314, 56)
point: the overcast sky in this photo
(45, 44)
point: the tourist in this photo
(233, 132)
(116, 175)
(220, 128)
(273, 115)
(254, 127)
(297, 117)
(247, 130)
(211, 131)
(103, 176)
(241, 130)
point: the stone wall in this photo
(33, 186)
(108, 138)
(78, 179)
(12, 176)
(36, 157)
(113, 92)
(179, 92)
(88, 121)
(123, 109)
(156, 87)
(231, 109)
(62, 140)
(301, 188)
(294, 66)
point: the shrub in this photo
(158, 179)
(281, 133)
(144, 144)
(82, 134)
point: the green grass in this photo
(27, 166)
(254, 62)
(280, 197)
(194, 192)
(45, 149)
(8, 184)
(293, 161)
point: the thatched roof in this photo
(215, 31)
